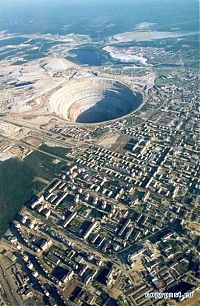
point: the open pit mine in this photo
(93, 100)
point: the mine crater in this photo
(93, 100)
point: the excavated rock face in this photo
(92, 100)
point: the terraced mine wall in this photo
(92, 100)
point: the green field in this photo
(17, 183)
(58, 151)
